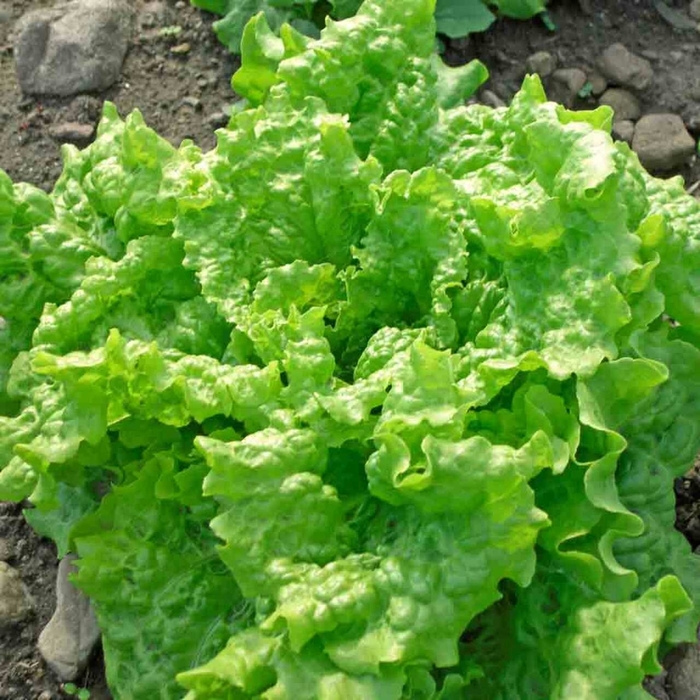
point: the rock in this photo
(193, 103)
(621, 67)
(181, 49)
(5, 549)
(683, 680)
(676, 18)
(624, 103)
(656, 685)
(153, 14)
(694, 10)
(491, 99)
(15, 600)
(598, 83)
(72, 633)
(73, 47)
(217, 120)
(72, 132)
(623, 130)
(566, 83)
(542, 63)
(662, 142)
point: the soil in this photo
(183, 96)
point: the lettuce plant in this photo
(382, 398)
(454, 18)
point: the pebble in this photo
(6, 552)
(181, 49)
(566, 84)
(189, 101)
(217, 120)
(624, 103)
(684, 675)
(74, 47)
(72, 633)
(542, 63)
(676, 18)
(598, 83)
(622, 67)
(694, 10)
(153, 14)
(15, 600)
(623, 130)
(72, 132)
(662, 142)
(491, 99)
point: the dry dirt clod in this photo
(491, 99)
(623, 130)
(662, 142)
(15, 600)
(73, 47)
(543, 63)
(625, 105)
(598, 83)
(72, 633)
(72, 132)
(6, 552)
(694, 10)
(622, 67)
(565, 84)
(683, 680)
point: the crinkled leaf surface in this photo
(381, 398)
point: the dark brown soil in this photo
(157, 81)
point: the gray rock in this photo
(694, 10)
(662, 142)
(153, 14)
(676, 18)
(5, 549)
(624, 103)
(542, 63)
(73, 47)
(15, 600)
(217, 120)
(656, 685)
(598, 83)
(621, 67)
(565, 84)
(72, 633)
(683, 680)
(491, 99)
(623, 130)
(72, 132)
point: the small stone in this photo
(72, 132)
(45, 695)
(73, 47)
(625, 105)
(6, 552)
(542, 63)
(491, 99)
(683, 680)
(598, 83)
(180, 5)
(566, 84)
(621, 67)
(676, 18)
(662, 142)
(190, 101)
(656, 685)
(694, 10)
(181, 49)
(623, 130)
(15, 600)
(72, 633)
(217, 120)
(153, 14)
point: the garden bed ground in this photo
(185, 94)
